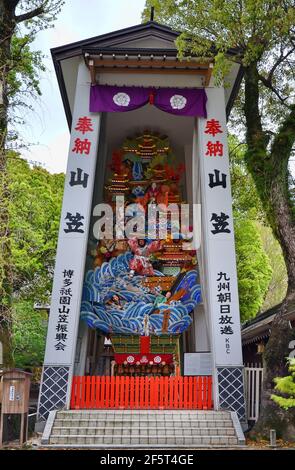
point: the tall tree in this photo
(20, 21)
(261, 33)
(34, 210)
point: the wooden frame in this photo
(148, 66)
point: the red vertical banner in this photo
(145, 344)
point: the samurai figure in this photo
(140, 263)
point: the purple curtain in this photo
(179, 101)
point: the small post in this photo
(273, 438)
(152, 13)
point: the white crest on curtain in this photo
(121, 99)
(178, 102)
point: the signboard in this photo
(74, 227)
(217, 222)
(198, 363)
(11, 393)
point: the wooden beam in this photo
(92, 71)
(209, 74)
(149, 63)
(151, 71)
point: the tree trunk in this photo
(7, 27)
(269, 169)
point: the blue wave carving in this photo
(113, 278)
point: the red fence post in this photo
(127, 392)
(151, 393)
(87, 394)
(112, 391)
(131, 392)
(210, 402)
(107, 392)
(190, 392)
(156, 392)
(137, 399)
(141, 392)
(122, 403)
(73, 393)
(102, 393)
(180, 379)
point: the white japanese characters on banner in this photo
(74, 226)
(217, 219)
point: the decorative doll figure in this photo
(153, 193)
(146, 325)
(116, 301)
(137, 171)
(163, 195)
(162, 299)
(140, 263)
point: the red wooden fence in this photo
(193, 393)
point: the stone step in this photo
(139, 431)
(141, 423)
(173, 440)
(179, 414)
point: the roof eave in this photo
(77, 48)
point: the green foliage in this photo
(286, 387)
(260, 36)
(34, 213)
(35, 205)
(259, 262)
(279, 282)
(22, 79)
(28, 334)
(210, 28)
(254, 269)
(246, 201)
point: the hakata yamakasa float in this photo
(145, 285)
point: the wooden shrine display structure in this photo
(15, 400)
(148, 128)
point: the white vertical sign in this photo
(74, 227)
(217, 218)
(11, 393)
